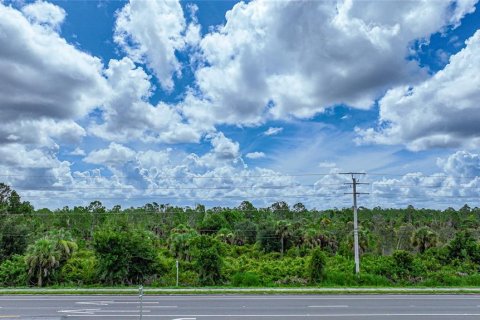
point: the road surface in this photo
(245, 307)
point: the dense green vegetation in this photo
(243, 246)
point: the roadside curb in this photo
(185, 291)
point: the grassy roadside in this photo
(173, 291)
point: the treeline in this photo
(242, 246)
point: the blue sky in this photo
(217, 101)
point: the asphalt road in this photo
(232, 307)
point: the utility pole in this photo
(354, 184)
(176, 264)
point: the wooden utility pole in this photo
(354, 192)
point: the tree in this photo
(404, 235)
(464, 247)
(281, 209)
(316, 266)
(13, 237)
(11, 203)
(312, 238)
(5, 192)
(124, 256)
(212, 222)
(180, 242)
(267, 237)
(248, 210)
(96, 207)
(42, 259)
(208, 260)
(283, 230)
(246, 231)
(424, 238)
(46, 255)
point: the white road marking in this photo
(185, 319)
(80, 311)
(334, 306)
(95, 303)
(121, 311)
(106, 303)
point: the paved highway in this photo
(232, 307)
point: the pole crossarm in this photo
(356, 193)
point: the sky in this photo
(217, 102)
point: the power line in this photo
(420, 175)
(246, 197)
(17, 187)
(187, 175)
(196, 176)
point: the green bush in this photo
(442, 278)
(316, 266)
(13, 272)
(246, 279)
(208, 260)
(80, 269)
(403, 261)
(124, 256)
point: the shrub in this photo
(246, 279)
(403, 263)
(464, 247)
(208, 260)
(317, 266)
(80, 269)
(13, 272)
(124, 256)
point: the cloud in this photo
(223, 147)
(273, 131)
(78, 152)
(128, 116)
(113, 155)
(19, 156)
(457, 183)
(45, 83)
(255, 155)
(442, 111)
(278, 59)
(461, 164)
(42, 132)
(152, 32)
(44, 13)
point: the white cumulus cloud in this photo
(152, 32)
(277, 59)
(443, 111)
(45, 83)
(255, 155)
(44, 13)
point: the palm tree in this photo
(424, 238)
(283, 230)
(42, 258)
(180, 242)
